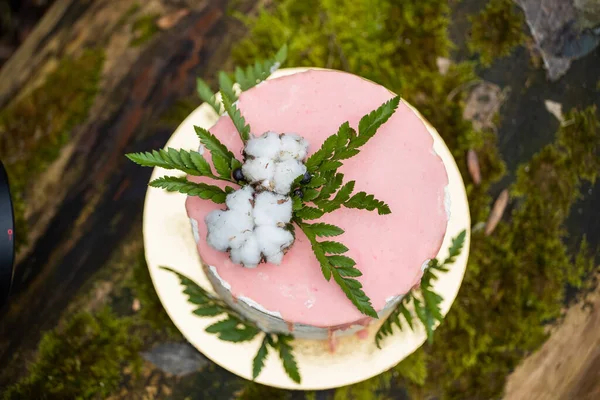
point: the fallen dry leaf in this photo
(135, 306)
(473, 166)
(497, 211)
(443, 65)
(169, 20)
(555, 109)
(483, 103)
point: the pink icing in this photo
(362, 334)
(332, 341)
(398, 166)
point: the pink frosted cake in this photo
(398, 165)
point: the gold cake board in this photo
(168, 241)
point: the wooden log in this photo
(89, 197)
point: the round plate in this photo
(168, 241)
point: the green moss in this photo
(179, 111)
(81, 361)
(496, 31)
(34, 128)
(323, 33)
(254, 391)
(583, 269)
(144, 29)
(130, 12)
(410, 371)
(310, 395)
(371, 389)
(152, 310)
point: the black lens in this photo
(7, 237)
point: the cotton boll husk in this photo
(248, 254)
(259, 169)
(285, 174)
(266, 145)
(293, 147)
(241, 200)
(272, 209)
(272, 239)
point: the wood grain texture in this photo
(97, 198)
(567, 366)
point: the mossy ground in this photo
(496, 31)
(35, 128)
(83, 360)
(516, 279)
(95, 347)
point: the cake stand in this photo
(168, 241)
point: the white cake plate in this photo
(168, 241)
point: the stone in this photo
(564, 30)
(174, 358)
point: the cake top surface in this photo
(398, 165)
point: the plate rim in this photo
(395, 348)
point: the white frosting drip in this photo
(195, 230)
(246, 300)
(258, 307)
(447, 198)
(392, 299)
(447, 201)
(275, 67)
(225, 284)
(425, 264)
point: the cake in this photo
(398, 165)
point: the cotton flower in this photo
(253, 228)
(274, 161)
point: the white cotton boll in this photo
(259, 169)
(293, 147)
(217, 237)
(267, 184)
(272, 209)
(213, 217)
(285, 174)
(239, 239)
(275, 258)
(238, 221)
(228, 228)
(266, 145)
(237, 224)
(248, 254)
(273, 240)
(241, 200)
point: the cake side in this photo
(390, 250)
